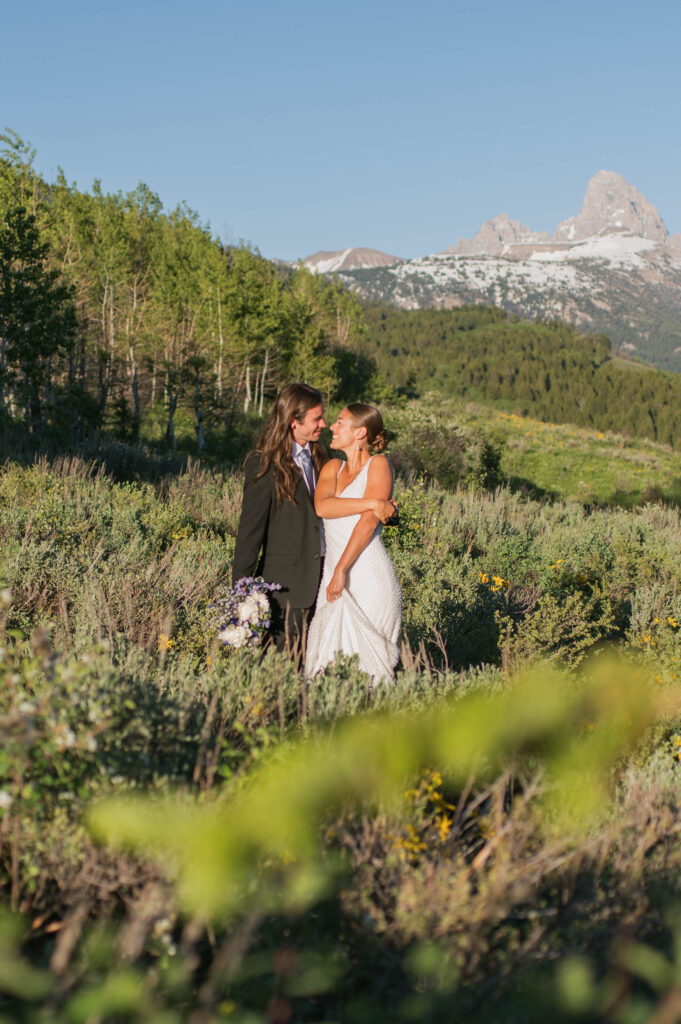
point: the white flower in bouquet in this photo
(250, 610)
(235, 636)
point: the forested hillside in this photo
(116, 314)
(548, 369)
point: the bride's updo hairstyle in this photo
(367, 416)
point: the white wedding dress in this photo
(366, 618)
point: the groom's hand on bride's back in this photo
(394, 519)
(385, 509)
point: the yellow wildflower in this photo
(165, 642)
(484, 577)
(444, 827)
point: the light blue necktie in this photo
(308, 472)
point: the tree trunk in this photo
(221, 342)
(262, 380)
(134, 386)
(200, 437)
(33, 410)
(255, 392)
(171, 396)
(103, 389)
(103, 375)
(2, 371)
(48, 385)
(72, 369)
(247, 399)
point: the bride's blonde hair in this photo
(367, 416)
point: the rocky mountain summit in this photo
(496, 236)
(349, 259)
(612, 269)
(611, 205)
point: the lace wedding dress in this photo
(366, 618)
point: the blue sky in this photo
(395, 125)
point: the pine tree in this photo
(37, 317)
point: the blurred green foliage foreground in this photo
(270, 832)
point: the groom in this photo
(280, 535)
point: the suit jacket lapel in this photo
(301, 483)
(302, 486)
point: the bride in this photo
(359, 608)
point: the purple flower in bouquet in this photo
(242, 617)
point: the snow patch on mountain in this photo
(348, 259)
(494, 277)
(620, 250)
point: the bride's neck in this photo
(355, 459)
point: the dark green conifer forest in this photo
(549, 370)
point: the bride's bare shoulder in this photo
(379, 464)
(330, 468)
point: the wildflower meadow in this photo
(191, 831)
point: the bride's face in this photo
(343, 432)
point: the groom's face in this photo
(310, 427)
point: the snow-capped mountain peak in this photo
(610, 205)
(349, 259)
(612, 269)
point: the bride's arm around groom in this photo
(359, 605)
(373, 507)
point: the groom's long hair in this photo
(274, 449)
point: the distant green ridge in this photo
(547, 369)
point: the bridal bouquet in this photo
(242, 617)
